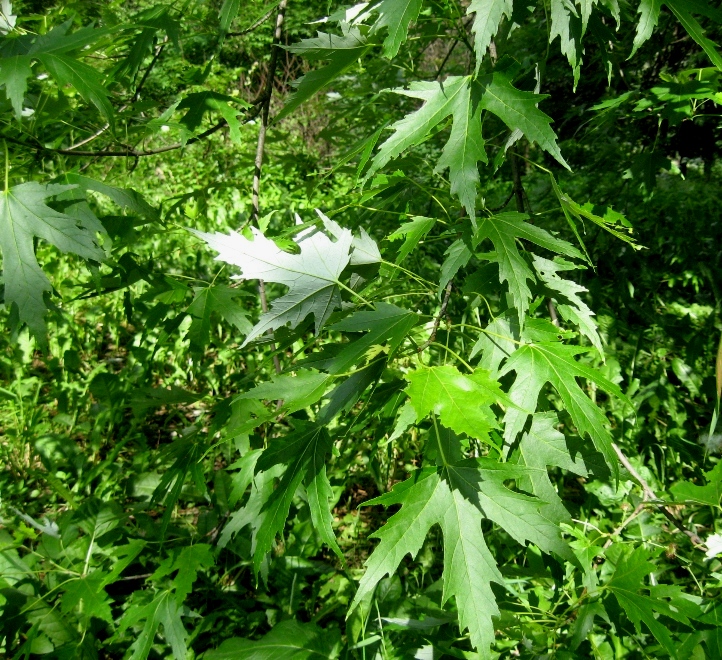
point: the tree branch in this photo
(130, 152)
(265, 105)
(255, 25)
(135, 98)
(649, 497)
(437, 320)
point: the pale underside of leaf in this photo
(312, 275)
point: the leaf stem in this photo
(353, 293)
(455, 354)
(411, 274)
(487, 332)
(7, 165)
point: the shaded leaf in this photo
(341, 52)
(537, 364)
(627, 582)
(288, 639)
(89, 590)
(544, 446)
(200, 103)
(85, 79)
(709, 495)
(217, 299)
(503, 230)
(25, 215)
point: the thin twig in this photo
(516, 178)
(496, 209)
(129, 152)
(650, 497)
(520, 195)
(255, 25)
(151, 66)
(553, 312)
(446, 59)
(437, 319)
(260, 148)
(623, 524)
(135, 98)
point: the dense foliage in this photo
(376, 331)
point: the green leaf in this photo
(457, 256)
(186, 453)
(288, 639)
(85, 79)
(503, 230)
(58, 41)
(123, 556)
(229, 11)
(187, 562)
(304, 451)
(162, 610)
(296, 392)
(126, 198)
(571, 307)
(364, 250)
(568, 26)
(200, 103)
(462, 403)
(544, 446)
(519, 111)
(341, 52)
(483, 481)
(694, 29)
(89, 590)
(469, 568)
(537, 364)
(488, 17)
(312, 275)
(626, 583)
(457, 498)
(709, 495)
(217, 299)
(606, 217)
(387, 326)
(320, 495)
(14, 74)
(412, 232)
(465, 146)
(396, 15)
(499, 340)
(648, 11)
(24, 216)
(262, 488)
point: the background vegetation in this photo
(155, 501)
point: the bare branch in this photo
(265, 105)
(649, 497)
(255, 25)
